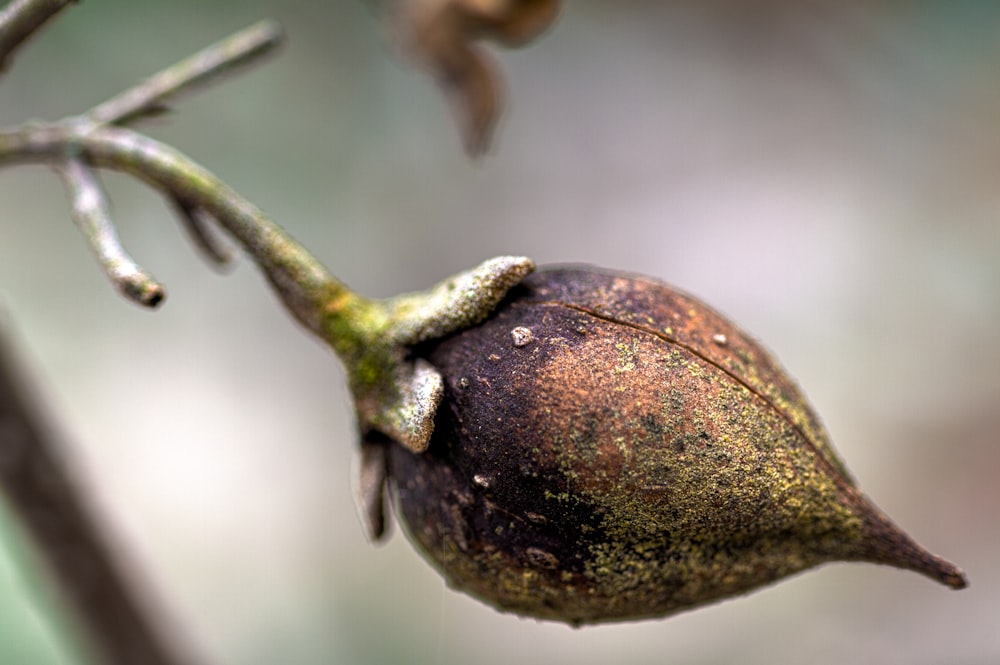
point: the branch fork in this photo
(395, 395)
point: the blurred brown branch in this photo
(39, 485)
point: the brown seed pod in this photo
(609, 449)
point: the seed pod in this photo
(610, 449)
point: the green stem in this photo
(350, 323)
(317, 298)
(90, 211)
(153, 94)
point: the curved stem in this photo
(302, 281)
(318, 299)
(20, 19)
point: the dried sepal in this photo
(443, 36)
(404, 403)
(397, 394)
(369, 488)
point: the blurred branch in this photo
(90, 211)
(40, 488)
(151, 96)
(22, 18)
(198, 224)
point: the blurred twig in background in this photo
(41, 488)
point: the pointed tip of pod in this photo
(887, 544)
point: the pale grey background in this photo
(826, 173)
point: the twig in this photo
(20, 19)
(57, 142)
(198, 224)
(302, 282)
(152, 95)
(91, 214)
(39, 486)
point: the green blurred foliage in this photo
(32, 632)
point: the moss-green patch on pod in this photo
(610, 449)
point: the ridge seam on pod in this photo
(830, 468)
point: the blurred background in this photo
(825, 173)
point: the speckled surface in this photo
(639, 455)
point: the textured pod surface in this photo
(609, 448)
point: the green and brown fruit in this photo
(609, 449)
